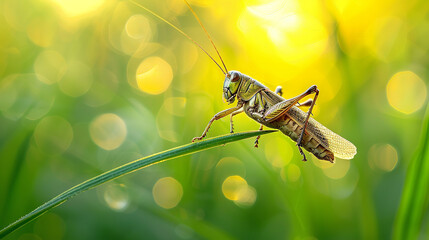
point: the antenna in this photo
(180, 31)
(207, 33)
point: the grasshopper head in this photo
(230, 86)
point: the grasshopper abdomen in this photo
(292, 129)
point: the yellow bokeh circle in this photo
(246, 197)
(338, 170)
(108, 131)
(154, 75)
(383, 157)
(293, 172)
(406, 92)
(167, 192)
(137, 27)
(236, 189)
(233, 187)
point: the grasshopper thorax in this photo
(231, 85)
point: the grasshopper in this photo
(270, 109)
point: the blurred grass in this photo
(126, 169)
(415, 195)
(14, 173)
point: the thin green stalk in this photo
(125, 169)
(416, 190)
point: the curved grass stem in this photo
(126, 169)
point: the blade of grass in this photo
(128, 168)
(415, 192)
(15, 171)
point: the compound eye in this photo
(235, 77)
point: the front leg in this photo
(232, 115)
(218, 115)
(279, 92)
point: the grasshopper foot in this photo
(302, 152)
(258, 137)
(257, 142)
(197, 138)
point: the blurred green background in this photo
(88, 85)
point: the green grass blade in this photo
(14, 170)
(416, 189)
(128, 168)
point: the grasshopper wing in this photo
(327, 138)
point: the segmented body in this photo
(319, 140)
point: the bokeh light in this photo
(41, 32)
(406, 92)
(278, 151)
(116, 197)
(293, 172)
(383, 157)
(75, 8)
(41, 108)
(8, 94)
(22, 95)
(229, 166)
(53, 135)
(167, 192)
(131, 33)
(50, 66)
(246, 197)
(321, 164)
(103, 89)
(154, 75)
(175, 106)
(137, 26)
(76, 80)
(136, 35)
(108, 131)
(386, 37)
(337, 170)
(282, 27)
(235, 188)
